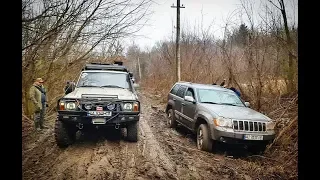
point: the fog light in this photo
(222, 139)
(111, 106)
(88, 106)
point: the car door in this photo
(179, 98)
(189, 108)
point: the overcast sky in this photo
(214, 12)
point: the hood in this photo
(235, 112)
(123, 94)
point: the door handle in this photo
(183, 104)
(174, 99)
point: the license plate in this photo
(252, 137)
(98, 108)
(98, 121)
(99, 113)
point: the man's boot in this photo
(41, 125)
(36, 121)
(37, 126)
(44, 127)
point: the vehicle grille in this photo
(251, 126)
(104, 106)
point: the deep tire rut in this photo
(100, 158)
(160, 153)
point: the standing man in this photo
(223, 83)
(44, 104)
(37, 95)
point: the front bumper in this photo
(83, 118)
(227, 135)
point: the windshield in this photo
(213, 96)
(103, 79)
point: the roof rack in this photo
(105, 66)
(100, 63)
(118, 63)
(187, 82)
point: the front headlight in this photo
(131, 106)
(223, 122)
(70, 105)
(270, 125)
(127, 106)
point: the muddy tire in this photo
(113, 134)
(64, 134)
(257, 150)
(171, 119)
(132, 132)
(204, 142)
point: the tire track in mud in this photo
(98, 159)
(160, 153)
(165, 167)
(189, 162)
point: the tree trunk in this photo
(290, 74)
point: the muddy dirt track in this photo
(160, 153)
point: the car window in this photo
(174, 90)
(181, 91)
(100, 79)
(190, 92)
(219, 97)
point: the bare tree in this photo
(291, 56)
(65, 33)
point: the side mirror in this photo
(70, 86)
(130, 74)
(136, 86)
(189, 99)
(247, 104)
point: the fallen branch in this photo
(284, 130)
(292, 103)
(26, 117)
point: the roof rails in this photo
(186, 82)
(118, 66)
(100, 63)
(118, 63)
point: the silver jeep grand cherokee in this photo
(216, 114)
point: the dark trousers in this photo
(39, 117)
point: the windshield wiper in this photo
(210, 102)
(228, 104)
(220, 103)
(115, 86)
(88, 86)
